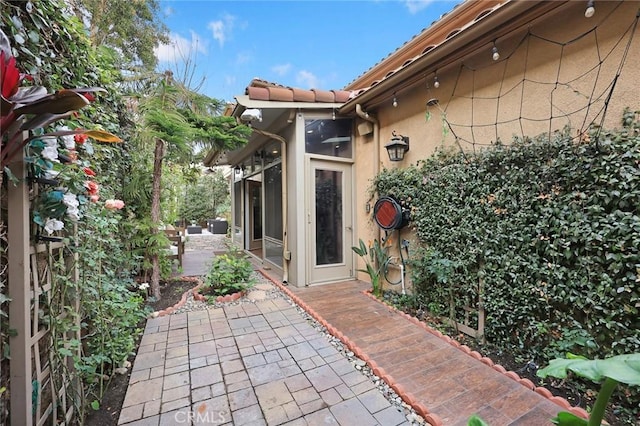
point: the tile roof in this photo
(462, 16)
(263, 90)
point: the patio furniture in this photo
(217, 226)
(194, 229)
(177, 244)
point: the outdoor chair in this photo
(177, 244)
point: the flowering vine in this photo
(53, 154)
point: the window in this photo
(237, 212)
(273, 213)
(328, 137)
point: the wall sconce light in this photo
(397, 147)
(436, 83)
(495, 54)
(590, 10)
(395, 101)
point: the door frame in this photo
(339, 271)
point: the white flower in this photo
(50, 153)
(53, 225)
(68, 140)
(70, 200)
(51, 174)
(143, 286)
(73, 213)
(50, 141)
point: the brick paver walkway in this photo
(249, 364)
(431, 371)
(263, 363)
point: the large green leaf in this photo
(475, 420)
(565, 418)
(622, 368)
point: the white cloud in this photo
(307, 79)
(180, 48)
(168, 11)
(243, 58)
(222, 28)
(281, 69)
(416, 6)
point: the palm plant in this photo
(179, 124)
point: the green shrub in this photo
(229, 273)
(545, 231)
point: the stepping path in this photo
(262, 361)
(259, 363)
(447, 381)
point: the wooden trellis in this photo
(43, 387)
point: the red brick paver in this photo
(430, 372)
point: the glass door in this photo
(254, 213)
(329, 222)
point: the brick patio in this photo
(264, 363)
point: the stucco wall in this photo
(536, 86)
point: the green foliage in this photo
(609, 372)
(204, 198)
(133, 28)
(376, 259)
(545, 232)
(431, 277)
(475, 420)
(229, 273)
(107, 292)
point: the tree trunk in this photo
(158, 154)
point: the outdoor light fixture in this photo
(397, 147)
(395, 101)
(589, 12)
(436, 83)
(495, 55)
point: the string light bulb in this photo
(590, 10)
(436, 83)
(395, 101)
(495, 55)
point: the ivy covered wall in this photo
(551, 229)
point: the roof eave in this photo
(246, 102)
(449, 51)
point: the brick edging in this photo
(562, 402)
(196, 296)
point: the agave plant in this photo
(25, 108)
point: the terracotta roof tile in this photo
(430, 36)
(258, 93)
(323, 95)
(264, 90)
(342, 95)
(301, 95)
(282, 94)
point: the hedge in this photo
(549, 226)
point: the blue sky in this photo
(322, 44)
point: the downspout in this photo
(376, 144)
(286, 255)
(376, 137)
